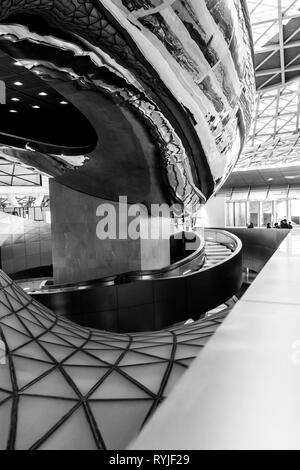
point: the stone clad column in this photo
(79, 254)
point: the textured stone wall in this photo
(79, 255)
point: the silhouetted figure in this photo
(284, 224)
(290, 225)
(276, 225)
(251, 225)
(269, 225)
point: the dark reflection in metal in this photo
(33, 119)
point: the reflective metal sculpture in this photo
(174, 76)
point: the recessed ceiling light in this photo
(270, 179)
(36, 106)
(13, 111)
(292, 177)
(43, 93)
(15, 99)
(18, 83)
(63, 102)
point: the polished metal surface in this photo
(169, 90)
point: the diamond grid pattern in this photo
(69, 387)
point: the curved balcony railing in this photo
(151, 300)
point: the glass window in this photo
(254, 213)
(258, 195)
(294, 193)
(230, 214)
(278, 193)
(240, 214)
(239, 196)
(295, 212)
(281, 210)
(253, 206)
(267, 213)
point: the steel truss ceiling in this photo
(274, 137)
(15, 174)
(276, 35)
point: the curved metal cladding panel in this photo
(66, 387)
(175, 76)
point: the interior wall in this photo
(213, 213)
(79, 254)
